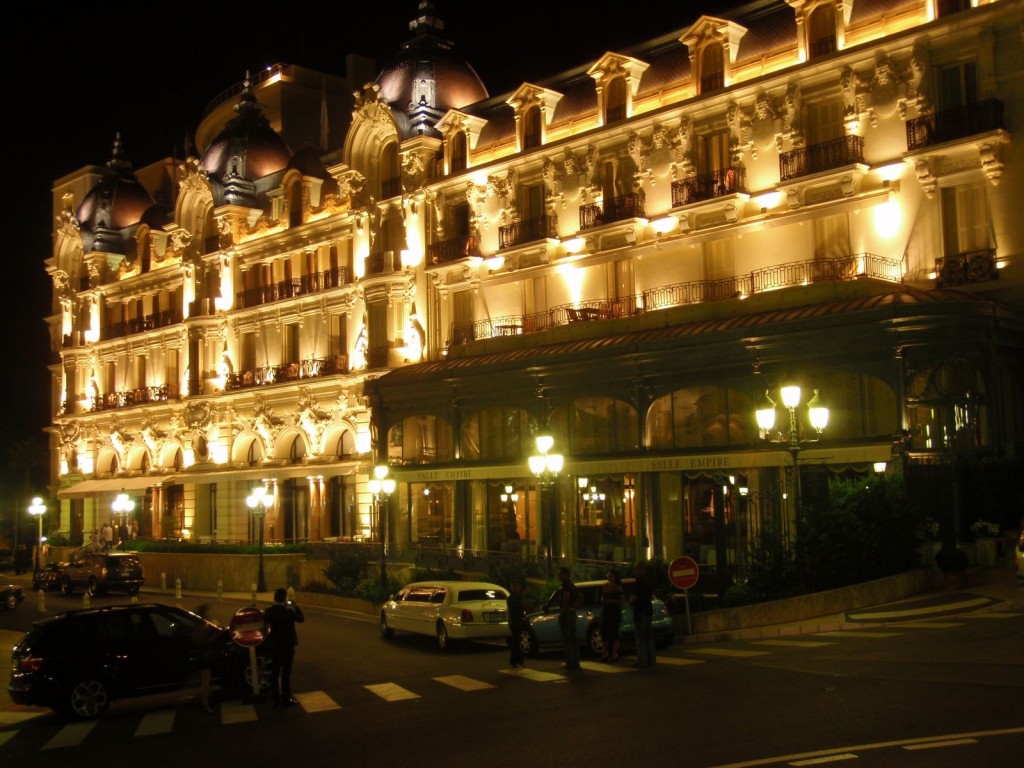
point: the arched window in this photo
(596, 425)
(531, 128)
(421, 440)
(615, 100)
(297, 450)
(458, 156)
(495, 434)
(947, 408)
(346, 445)
(700, 417)
(390, 175)
(821, 31)
(712, 68)
(253, 456)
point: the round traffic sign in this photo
(248, 626)
(683, 572)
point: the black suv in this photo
(79, 661)
(98, 572)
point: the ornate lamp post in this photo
(817, 414)
(381, 486)
(260, 502)
(546, 466)
(37, 509)
(122, 506)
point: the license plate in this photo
(494, 616)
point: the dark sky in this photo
(82, 73)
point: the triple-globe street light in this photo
(546, 466)
(817, 415)
(260, 501)
(381, 486)
(37, 509)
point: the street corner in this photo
(945, 604)
(12, 715)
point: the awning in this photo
(88, 488)
(269, 473)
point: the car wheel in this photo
(66, 586)
(443, 641)
(528, 642)
(264, 666)
(594, 640)
(10, 601)
(88, 698)
(385, 630)
(92, 587)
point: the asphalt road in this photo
(936, 692)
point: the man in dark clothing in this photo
(568, 602)
(641, 602)
(516, 624)
(282, 617)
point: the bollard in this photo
(220, 590)
(42, 601)
(177, 589)
(254, 594)
(135, 598)
(163, 582)
(291, 594)
(85, 599)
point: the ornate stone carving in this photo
(891, 86)
(198, 414)
(502, 189)
(572, 177)
(755, 128)
(655, 157)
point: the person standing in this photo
(516, 624)
(611, 615)
(282, 617)
(568, 601)
(107, 536)
(642, 602)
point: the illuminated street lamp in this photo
(260, 502)
(122, 506)
(817, 415)
(37, 509)
(546, 466)
(381, 486)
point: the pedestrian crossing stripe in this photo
(463, 683)
(70, 735)
(736, 652)
(391, 692)
(232, 712)
(926, 624)
(317, 701)
(532, 674)
(856, 633)
(5, 735)
(598, 666)
(991, 615)
(675, 661)
(795, 643)
(160, 721)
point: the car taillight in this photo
(467, 615)
(31, 663)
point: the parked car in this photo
(49, 577)
(6, 560)
(79, 661)
(1018, 555)
(543, 632)
(98, 572)
(447, 610)
(11, 596)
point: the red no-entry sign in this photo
(248, 627)
(683, 572)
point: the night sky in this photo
(86, 72)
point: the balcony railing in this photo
(823, 46)
(947, 7)
(311, 367)
(725, 181)
(130, 397)
(953, 124)
(454, 249)
(629, 206)
(383, 262)
(140, 324)
(289, 289)
(853, 267)
(969, 267)
(825, 156)
(390, 187)
(377, 357)
(712, 82)
(527, 231)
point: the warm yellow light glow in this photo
(818, 412)
(790, 396)
(380, 471)
(63, 466)
(665, 225)
(879, 467)
(494, 263)
(363, 441)
(536, 464)
(85, 464)
(219, 453)
(890, 172)
(574, 245)
(888, 217)
(544, 442)
(769, 200)
(573, 277)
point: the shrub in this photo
(739, 594)
(371, 590)
(346, 569)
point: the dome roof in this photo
(117, 203)
(427, 77)
(247, 148)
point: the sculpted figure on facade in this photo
(502, 189)
(574, 177)
(792, 117)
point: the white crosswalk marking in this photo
(795, 643)
(738, 653)
(463, 683)
(675, 661)
(391, 692)
(991, 615)
(161, 721)
(232, 712)
(317, 701)
(598, 666)
(5, 735)
(71, 735)
(856, 633)
(926, 624)
(532, 674)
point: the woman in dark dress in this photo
(612, 598)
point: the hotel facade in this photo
(633, 258)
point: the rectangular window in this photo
(965, 225)
(248, 352)
(338, 336)
(958, 86)
(291, 343)
(824, 121)
(401, 318)
(377, 320)
(831, 236)
(171, 373)
(718, 259)
(462, 316)
(713, 153)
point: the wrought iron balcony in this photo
(969, 267)
(140, 324)
(309, 368)
(288, 289)
(383, 262)
(527, 231)
(454, 249)
(130, 397)
(629, 206)
(825, 156)
(953, 124)
(390, 187)
(694, 189)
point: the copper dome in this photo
(118, 202)
(427, 77)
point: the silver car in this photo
(543, 632)
(447, 610)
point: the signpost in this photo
(683, 573)
(248, 628)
